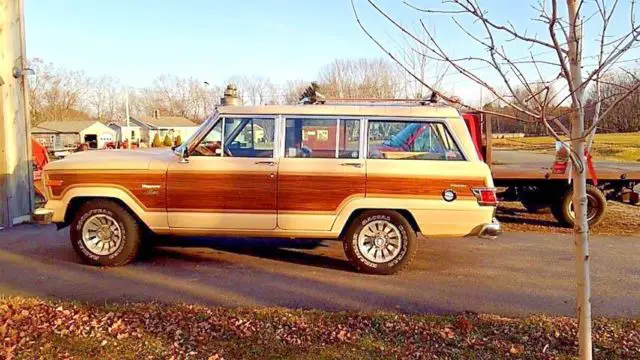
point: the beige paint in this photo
(429, 111)
(435, 216)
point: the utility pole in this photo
(16, 173)
(126, 111)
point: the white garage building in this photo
(61, 135)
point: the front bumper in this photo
(491, 231)
(42, 216)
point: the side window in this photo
(310, 138)
(405, 140)
(249, 137)
(211, 144)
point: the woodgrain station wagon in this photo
(372, 176)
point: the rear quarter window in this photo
(411, 140)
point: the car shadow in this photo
(285, 250)
(517, 219)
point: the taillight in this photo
(486, 196)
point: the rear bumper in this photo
(42, 216)
(491, 230)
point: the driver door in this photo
(230, 179)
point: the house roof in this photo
(69, 126)
(167, 121)
(118, 124)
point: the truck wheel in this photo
(103, 233)
(597, 205)
(380, 242)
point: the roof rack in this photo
(320, 99)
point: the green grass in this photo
(616, 147)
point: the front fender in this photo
(153, 219)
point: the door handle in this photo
(354, 164)
(268, 163)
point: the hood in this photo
(141, 159)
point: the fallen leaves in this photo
(34, 328)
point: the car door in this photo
(321, 169)
(229, 181)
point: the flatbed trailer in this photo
(534, 184)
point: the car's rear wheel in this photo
(103, 233)
(380, 242)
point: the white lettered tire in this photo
(103, 233)
(380, 242)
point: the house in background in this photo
(144, 128)
(63, 135)
(124, 132)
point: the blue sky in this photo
(137, 40)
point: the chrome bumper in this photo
(491, 231)
(42, 216)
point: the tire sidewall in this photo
(407, 244)
(127, 245)
(568, 199)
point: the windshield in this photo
(202, 130)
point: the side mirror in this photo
(184, 155)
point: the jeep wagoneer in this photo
(371, 176)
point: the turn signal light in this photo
(486, 196)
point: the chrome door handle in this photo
(354, 164)
(268, 163)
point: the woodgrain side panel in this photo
(317, 193)
(151, 199)
(420, 187)
(221, 192)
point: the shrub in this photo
(167, 141)
(156, 141)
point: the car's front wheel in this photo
(103, 233)
(380, 242)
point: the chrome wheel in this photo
(101, 234)
(592, 208)
(379, 241)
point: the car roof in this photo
(430, 111)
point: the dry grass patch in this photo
(615, 147)
(36, 329)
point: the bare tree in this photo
(623, 118)
(104, 98)
(554, 43)
(255, 90)
(359, 78)
(56, 93)
(291, 91)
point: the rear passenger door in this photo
(321, 169)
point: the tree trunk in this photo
(581, 229)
